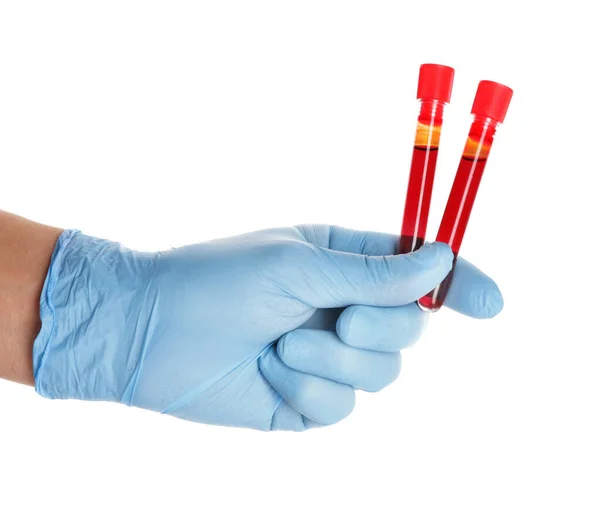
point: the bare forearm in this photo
(25, 251)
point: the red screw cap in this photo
(492, 100)
(435, 82)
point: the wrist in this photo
(25, 251)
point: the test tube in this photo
(489, 109)
(433, 91)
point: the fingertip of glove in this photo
(486, 304)
(493, 302)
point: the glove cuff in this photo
(92, 290)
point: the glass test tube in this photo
(489, 109)
(434, 91)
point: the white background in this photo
(163, 123)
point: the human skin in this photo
(25, 251)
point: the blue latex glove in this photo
(244, 331)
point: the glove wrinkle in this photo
(41, 347)
(197, 391)
(274, 412)
(129, 393)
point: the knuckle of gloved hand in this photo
(310, 396)
(326, 408)
(408, 326)
(380, 268)
(429, 257)
(367, 328)
(344, 362)
(385, 373)
(282, 252)
(412, 333)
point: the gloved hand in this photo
(244, 331)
